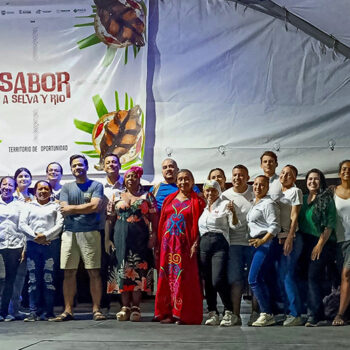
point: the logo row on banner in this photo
(42, 11)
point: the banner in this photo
(72, 80)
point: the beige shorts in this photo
(86, 245)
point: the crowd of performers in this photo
(291, 248)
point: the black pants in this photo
(213, 253)
(317, 274)
(11, 258)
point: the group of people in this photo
(201, 244)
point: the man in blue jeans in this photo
(240, 253)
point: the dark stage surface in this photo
(83, 333)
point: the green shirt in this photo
(307, 225)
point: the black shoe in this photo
(32, 317)
(311, 322)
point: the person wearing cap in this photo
(214, 223)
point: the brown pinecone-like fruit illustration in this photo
(120, 23)
(121, 133)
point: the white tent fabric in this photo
(240, 80)
(331, 17)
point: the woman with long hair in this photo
(317, 222)
(342, 204)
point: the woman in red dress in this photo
(179, 297)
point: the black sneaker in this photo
(311, 322)
(32, 318)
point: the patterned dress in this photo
(179, 291)
(133, 268)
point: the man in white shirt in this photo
(113, 185)
(268, 163)
(240, 253)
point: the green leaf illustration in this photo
(109, 56)
(83, 143)
(84, 126)
(90, 152)
(117, 108)
(91, 16)
(84, 24)
(88, 41)
(126, 102)
(100, 106)
(126, 55)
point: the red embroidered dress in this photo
(179, 292)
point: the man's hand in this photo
(65, 209)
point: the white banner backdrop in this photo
(216, 84)
(60, 84)
(236, 78)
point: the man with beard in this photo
(81, 202)
(168, 186)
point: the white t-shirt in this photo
(242, 203)
(219, 219)
(275, 187)
(343, 218)
(287, 199)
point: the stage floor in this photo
(84, 333)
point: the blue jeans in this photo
(287, 267)
(42, 264)
(258, 269)
(240, 257)
(16, 298)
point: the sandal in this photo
(135, 315)
(339, 320)
(123, 314)
(65, 316)
(167, 320)
(98, 316)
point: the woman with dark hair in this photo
(23, 178)
(41, 221)
(218, 175)
(317, 222)
(179, 296)
(54, 172)
(11, 239)
(134, 217)
(342, 204)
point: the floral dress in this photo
(133, 268)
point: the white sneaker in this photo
(213, 319)
(292, 321)
(264, 320)
(253, 317)
(230, 320)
